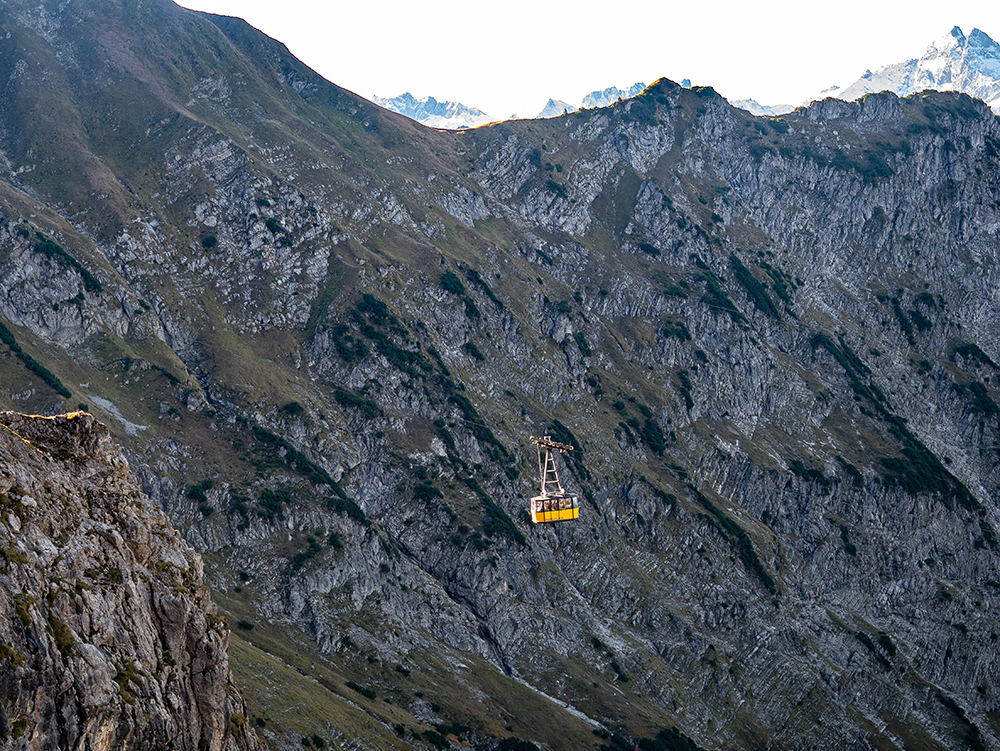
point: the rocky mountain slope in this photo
(108, 638)
(327, 332)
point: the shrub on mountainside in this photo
(53, 250)
(451, 283)
(29, 362)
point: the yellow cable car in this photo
(555, 505)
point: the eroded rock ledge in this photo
(108, 636)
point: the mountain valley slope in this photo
(325, 334)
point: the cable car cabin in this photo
(553, 504)
(554, 508)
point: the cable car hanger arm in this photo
(546, 442)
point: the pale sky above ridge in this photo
(510, 57)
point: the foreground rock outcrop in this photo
(108, 638)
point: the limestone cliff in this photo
(108, 638)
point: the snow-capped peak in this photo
(954, 38)
(611, 95)
(455, 115)
(429, 111)
(953, 62)
(554, 108)
(603, 98)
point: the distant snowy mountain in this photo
(429, 111)
(554, 108)
(952, 63)
(610, 96)
(762, 110)
(455, 115)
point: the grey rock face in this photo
(108, 636)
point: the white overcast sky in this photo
(510, 57)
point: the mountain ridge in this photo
(332, 329)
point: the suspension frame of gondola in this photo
(554, 503)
